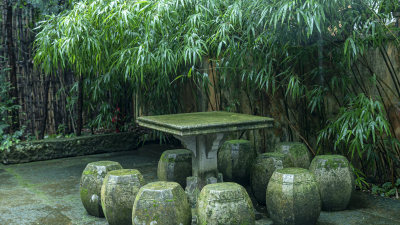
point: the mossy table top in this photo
(186, 124)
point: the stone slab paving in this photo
(47, 192)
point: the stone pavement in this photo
(47, 192)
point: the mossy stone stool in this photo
(262, 170)
(335, 179)
(161, 203)
(296, 151)
(175, 165)
(234, 160)
(224, 203)
(91, 182)
(118, 194)
(293, 197)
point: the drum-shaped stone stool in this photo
(224, 203)
(91, 182)
(293, 197)
(234, 160)
(175, 165)
(118, 194)
(335, 179)
(262, 170)
(161, 203)
(296, 151)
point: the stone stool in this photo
(161, 203)
(335, 179)
(293, 197)
(91, 182)
(234, 160)
(175, 165)
(224, 203)
(118, 195)
(296, 151)
(262, 170)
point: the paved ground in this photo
(47, 192)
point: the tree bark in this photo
(13, 93)
(80, 106)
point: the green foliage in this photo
(387, 189)
(304, 49)
(265, 41)
(6, 106)
(46, 7)
(357, 124)
(89, 39)
(359, 180)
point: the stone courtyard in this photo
(47, 192)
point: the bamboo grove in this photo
(307, 63)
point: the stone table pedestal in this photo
(204, 162)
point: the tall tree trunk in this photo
(80, 106)
(12, 65)
(46, 80)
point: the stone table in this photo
(203, 133)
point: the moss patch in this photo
(238, 141)
(59, 148)
(335, 179)
(293, 199)
(331, 161)
(175, 165)
(292, 171)
(91, 182)
(124, 172)
(296, 151)
(235, 158)
(225, 203)
(161, 203)
(204, 122)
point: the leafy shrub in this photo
(6, 106)
(387, 189)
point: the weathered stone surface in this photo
(118, 194)
(192, 190)
(161, 203)
(234, 160)
(262, 170)
(224, 203)
(188, 124)
(66, 147)
(335, 179)
(293, 197)
(296, 151)
(175, 165)
(91, 182)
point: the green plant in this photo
(304, 53)
(7, 139)
(387, 189)
(359, 180)
(361, 121)
(361, 129)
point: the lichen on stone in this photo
(225, 203)
(335, 179)
(66, 147)
(292, 197)
(175, 165)
(235, 158)
(161, 203)
(262, 171)
(118, 194)
(91, 182)
(296, 151)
